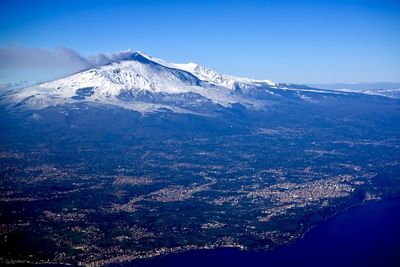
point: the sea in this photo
(366, 235)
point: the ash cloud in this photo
(101, 59)
(41, 64)
(61, 57)
(20, 57)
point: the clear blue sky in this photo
(287, 41)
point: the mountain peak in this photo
(199, 71)
(136, 80)
(105, 59)
(190, 65)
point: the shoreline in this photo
(289, 243)
(143, 259)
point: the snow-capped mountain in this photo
(140, 82)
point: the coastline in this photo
(287, 246)
(175, 253)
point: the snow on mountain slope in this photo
(133, 75)
(137, 81)
(211, 76)
(391, 93)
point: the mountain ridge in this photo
(140, 82)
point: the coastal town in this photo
(218, 202)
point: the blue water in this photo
(367, 235)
